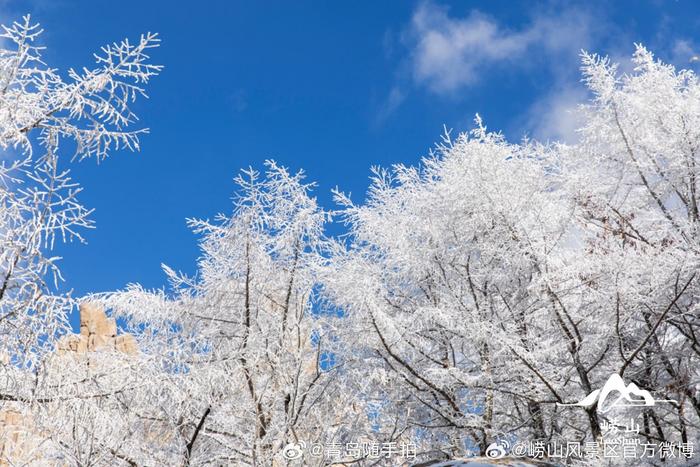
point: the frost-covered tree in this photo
(46, 119)
(249, 353)
(634, 178)
(445, 274)
(42, 112)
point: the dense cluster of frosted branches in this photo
(497, 281)
(471, 297)
(248, 352)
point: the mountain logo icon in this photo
(615, 394)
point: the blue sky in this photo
(330, 87)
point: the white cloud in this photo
(683, 52)
(555, 116)
(448, 53)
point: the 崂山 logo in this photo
(627, 396)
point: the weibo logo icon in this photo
(627, 396)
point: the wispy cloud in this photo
(390, 104)
(449, 53)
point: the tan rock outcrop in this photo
(97, 332)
